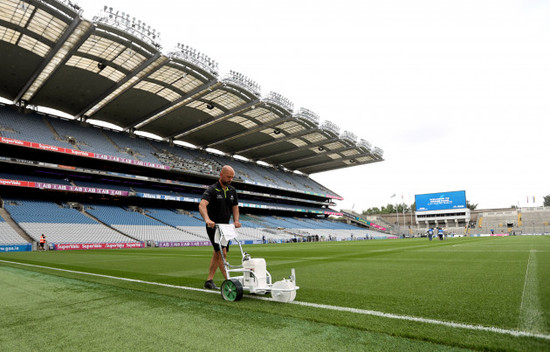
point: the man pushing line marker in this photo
(218, 203)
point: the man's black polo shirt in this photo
(220, 202)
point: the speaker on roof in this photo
(101, 65)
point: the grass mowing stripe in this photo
(530, 314)
(315, 305)
(79, 313)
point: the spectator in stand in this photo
(218, 203)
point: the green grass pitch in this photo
(455, 295)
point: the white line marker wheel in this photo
(232, 290)
(283, 291)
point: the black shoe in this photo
(209, 284)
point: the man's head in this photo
(226, 175)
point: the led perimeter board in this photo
(441, 201)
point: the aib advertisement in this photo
(441, 201)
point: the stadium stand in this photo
(139, 148)
(174, 218)
(8, 235)
(140, 226)
(84, 138)
(28, 127)
(526, 220)
(188, 161)
(72, 134)
(60, 223)
(80, 183)
(35, 178)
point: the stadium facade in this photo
(481, 222)
(123, 186)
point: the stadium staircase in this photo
(153, 146)
(253, 219)
(7, 217)
(174, 227)
(83, 211)
(119, 149)
(54, 132)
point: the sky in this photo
(456, 93)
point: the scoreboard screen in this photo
(441, 201)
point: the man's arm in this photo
(204, 213)
(236, 216)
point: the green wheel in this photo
(232, 290)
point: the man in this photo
(42, 242)
(218, 203)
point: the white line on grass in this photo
(113, 277)
(314, 305)
(530, 315)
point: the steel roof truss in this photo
(108, 96)
(251, 131)
(49, 65)
(215, 120)
(309, 146)
(171, 106)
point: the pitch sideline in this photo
(530, 314)
(315, 305)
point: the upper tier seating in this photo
(27, 127)
(71, 134)
(88, 138)
(140, 148)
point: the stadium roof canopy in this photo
(112, 69)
